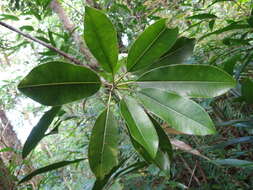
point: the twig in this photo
(189, 169)
(193, 171)
(65, 55)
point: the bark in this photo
(70, 27)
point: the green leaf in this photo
(101, 38)
(202, 16)
(211, 24)
(164, 154)
(234, 162)
(38, 132)
(57, 83)
(103, 146)
(178, 54)
(48, 168)
(182, 114)
(233, 26)
(27, 27)
(140, 127)
(229, 64)
(8, 17)
(246, 139)
(247, 91)
(156, 40)
(188, 80)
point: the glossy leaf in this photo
(140, 127)
(156, 40)
(202, 16)
(103, 146)
(38, 132)
(48, 168)
(57, 83)
(101, 38)
(178, 54)
(247, 91)
(164, 154)
(181, 114)
(188, 80)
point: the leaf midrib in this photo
(169, 108)
(101, 45)
(56, 84)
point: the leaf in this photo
(57, 83)
(188, 80)
(156, 40)
(234, 162)
(38, 132)
(217, 1)
(140, 127)
(103, 146)
(181, 114)
(202, 16)
(247, 139)
(178, 54)
(177, 144)
(247, 91)
(165, 153)
(233, 26)
(27, 27)
(229, 64)
(47, 169)
(101, 38)
(211, 24)
(8, 17)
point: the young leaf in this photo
(202, 16)
(57, 83)
(47, 169)
(140, 127)
(8, 17)
(38, 132)
(181, 114)
(156, 40)
(188, 80)
(229, 64)
(101, 38)
(103, 146)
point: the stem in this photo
(123, 83)
(65, 55)
(121, 77)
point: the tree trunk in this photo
(8, 138)
(7, 181)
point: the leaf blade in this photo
(139, 125)
(188, 80)
(150, 45)
(101, 38)
(38, 132)
(182, 114)
(103, 150)
(50, 83)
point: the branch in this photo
(65, 55)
